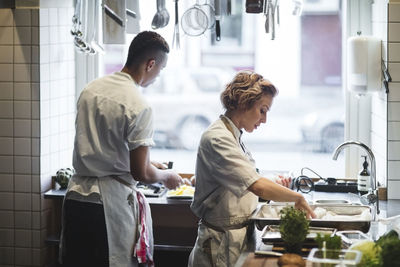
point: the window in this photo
(304, 61)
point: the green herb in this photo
(293, 228)
(390, 249)
(331, 242)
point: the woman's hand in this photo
(284, 181)
(302, 204)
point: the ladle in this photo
(158, 19)
(165, 14)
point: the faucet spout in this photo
(374, 186)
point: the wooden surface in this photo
(253, 260)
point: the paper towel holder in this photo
(364, 64)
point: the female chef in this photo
(227, 183)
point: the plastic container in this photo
(334, 257)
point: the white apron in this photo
(121, 211)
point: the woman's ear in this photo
(150, 64)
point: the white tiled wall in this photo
(36, 125)
(393, 119)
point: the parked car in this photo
(185, 102)
(324, 130)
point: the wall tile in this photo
(53, 16)
(22, 165)
(35, 17)
(6, 144)
(36, 128)
(6, 17)
(394, 131)
(35, 202)
(393, 150)
(35, 91)
(6, 54)
(23, 183)
(6, 109)
(6, 35)
(394, 111)
(44, 54)
(6, 127)
(22, 109)
(23, 238)
(22, 54)
(44, 109)
(23, 219)
(394, 32)
(45, 145)
(380, 30)
(45, 177)
(35, 110)
(44, 17)
(6, 183)
(36, 183)
(6, 72)
(22, 128)
(36, 225)
(63, 17)
(6, 219)
(44, 35)
(23, 256)
(35, 165)
(35, 73)
(36, 147)
(6, 201)
(6, 237)
(22, 72)
(36, 237)
(394, 12)
(6, 255)
(22, 91)
(394, 51)
(23, 202)
(44, 72)
(394, 70)
(54, 35)
(393, 189)
(6, 91)
(6, 164)
(379, 13)
(35, 36)
(35, 54)
(22, 17)
(22, 36)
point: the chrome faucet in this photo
(372, 195)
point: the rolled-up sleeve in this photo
(140, 129)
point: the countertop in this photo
(388, 208)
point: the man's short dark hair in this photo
(146, 45)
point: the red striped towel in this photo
(142, 248)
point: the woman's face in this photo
(252, 118)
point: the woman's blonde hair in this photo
(246, 88)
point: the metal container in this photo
(268, 214)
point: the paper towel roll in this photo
(364, 64)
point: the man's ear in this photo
(150, 64)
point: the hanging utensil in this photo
(217, 19)
(277, 12)
(164, 13)
(266, 13)
(272, 14)
(175, 38)
(194, 21)
(157, 21)
(229, 7)
(210, 12)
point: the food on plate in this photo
(290, 259)
(183, 190)
(323, 214)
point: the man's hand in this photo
(159, 165)
(173, 180)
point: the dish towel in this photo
(142, 249)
